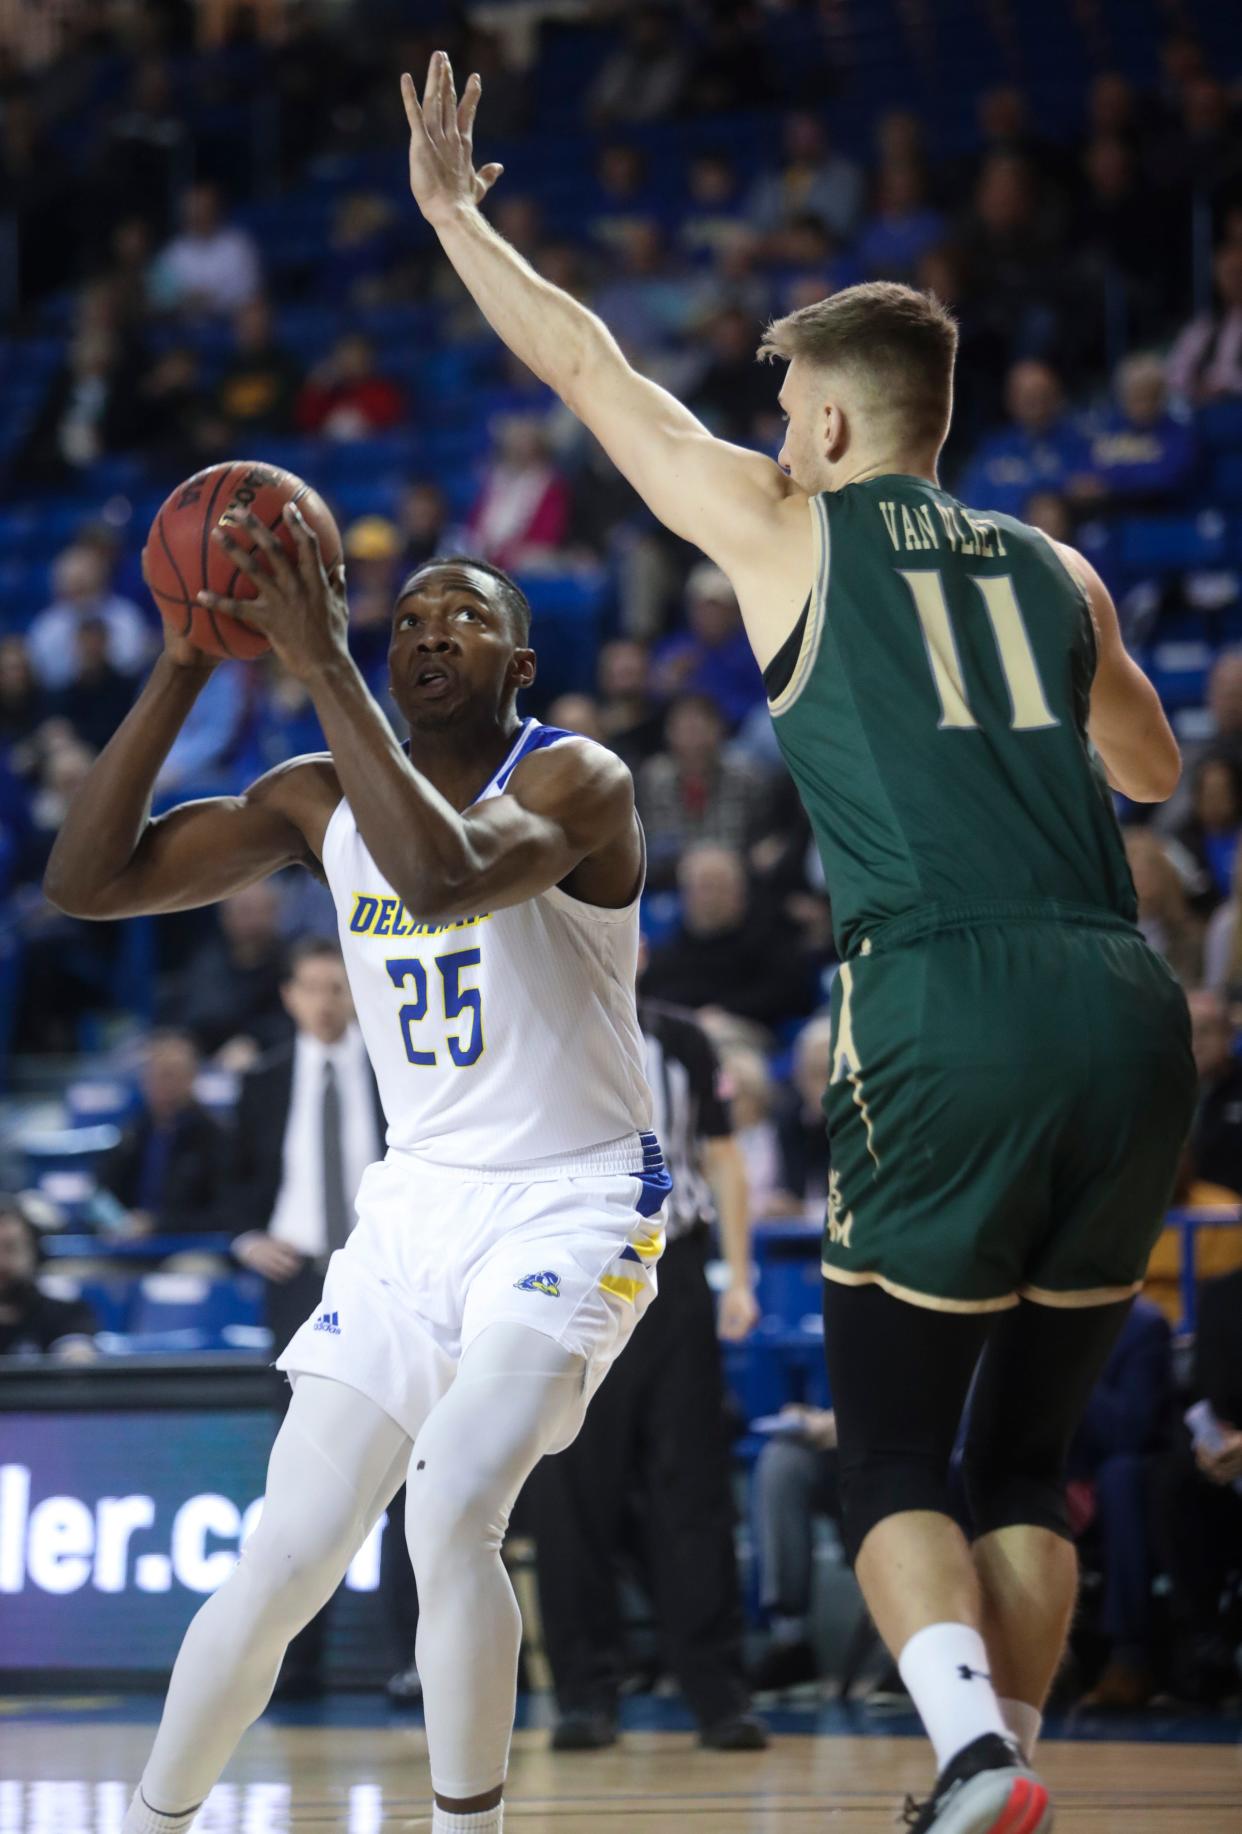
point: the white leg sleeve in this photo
(515, 1394)
(337, 1462)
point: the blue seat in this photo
(1227, 480)
(1167, 544)
(1220, 426)
(179, 1302)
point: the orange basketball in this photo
(181, 560)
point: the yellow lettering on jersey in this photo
(889, 513)
(966, 542)
(930, 538)
(373, 916)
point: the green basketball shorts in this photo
(1008, 1102)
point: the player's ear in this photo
(523, 668)
(836, 430)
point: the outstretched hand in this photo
(442, 174)
(297, 606)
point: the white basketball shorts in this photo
(439, 1253)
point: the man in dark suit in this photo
(165, 1169)
(308, 1124)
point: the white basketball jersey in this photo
(506, 1039)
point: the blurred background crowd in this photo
(208, 250)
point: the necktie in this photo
(335, 1201)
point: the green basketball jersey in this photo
(935, 720)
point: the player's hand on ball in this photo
(299, 607)
(442, 174)
(178, 649)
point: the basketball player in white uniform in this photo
(486, 886)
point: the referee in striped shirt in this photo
(656, 1437)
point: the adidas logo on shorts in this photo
(546, 1283)
(329, 1321)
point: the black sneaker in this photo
(987, 1789)
(584, 1732)
(737, 1732)
(783, 1666)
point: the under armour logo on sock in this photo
(972, 1674)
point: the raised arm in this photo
(111, 859)
(1127, 723)
(737, 506)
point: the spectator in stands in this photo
(521, 516)
(748, 1084)
(81, 595)
(796, 1481)
(175, 424)
(230, 994)
(259, 385)
(1210, 835)
(88, 413)
(32, 1323)
(574, 712)
(345, 397)
(211, 268)
(167, 1167)
(1140, 456)
(734, 393)
(99, 696)
(424, 523)
(696, 790)
(811, 178)
(24, 705)
(1164, 913)
(623, 195)
(801, 1128)
(1201, 1503)
(145, 148)
(1112, 106)
(725, 954)
(903, 225)
(307, 1126)
(365, 246)
(1223, 737)
(1040, 449)
(643, 77)
(1222, 947)
(711, 656)
(201, 756)
(1205, 363)
(1013, 256)
(629, 713)
(1216, 1138)
(714, 218)
(1122, 233)
(1113, 1465)
(374, 566)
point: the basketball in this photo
(181, 560)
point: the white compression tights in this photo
(336, 1464)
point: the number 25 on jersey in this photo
(409, 975)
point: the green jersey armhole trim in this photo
(822, 538)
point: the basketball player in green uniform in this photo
(1011, 1076)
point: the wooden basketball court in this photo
(62, 1776)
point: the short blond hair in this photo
(900, 342)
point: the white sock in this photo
(1025, 1724)
(946, 1670)
(482, 1821)
(140, 1819)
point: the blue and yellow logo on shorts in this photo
(546, 1283)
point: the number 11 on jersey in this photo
(1029, 707)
